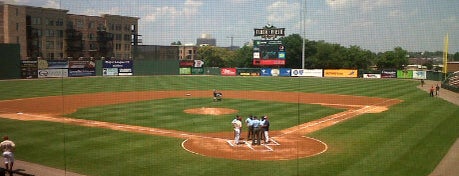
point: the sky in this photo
(375, 25)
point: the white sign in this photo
(307, 72)
(53, 73)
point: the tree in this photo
(456, 56)
(214, 56)
(242, 57)
(293, 45)
(393, 59)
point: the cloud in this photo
(282, 11)
(190, 9)
(364, 5)
(55, 4)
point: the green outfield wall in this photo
(10, 67)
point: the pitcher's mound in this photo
(211, 111)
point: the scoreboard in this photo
(268, 53)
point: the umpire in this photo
(256, 131)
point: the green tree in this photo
(456, 56)
(242, 57)
(393, 59)
(214, 56)
(293, 46)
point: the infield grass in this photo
(408, 139)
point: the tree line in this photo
(318, 55)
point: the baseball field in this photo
(169, 125)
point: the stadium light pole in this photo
(303, 18)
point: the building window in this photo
(17, 12)
(50, 55)
(60, 45)
(127, 37)
(17, 26)
(49, 33)
(36, 21)
(118, 47)
(60, 22)
(127, 47)
(60, 33)
(49, 45)
(49, 22)
(91, 36)
(17, 39)
(79, 24)
(118, 37)
(91, 25)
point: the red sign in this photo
(228, 71)
(269, 62)
(186, 63)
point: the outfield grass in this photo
(409, 139)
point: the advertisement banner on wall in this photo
(29, 69)
(275, 72)
(389, 74)
(81, 72)
(185, 71)
(370, 75)
(306, 72)
(421, 74)
(50, 64)
(110, 72)
(123, 67)
(405, 74)
(228, 71)
(53, 73)
(341, 73)
(82, 64)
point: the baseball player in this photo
(266, 129)
(8, 147)
(237, 124)
(248, 122)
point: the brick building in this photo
(54, 34)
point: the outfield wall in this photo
(10, 67)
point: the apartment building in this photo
(54, 34)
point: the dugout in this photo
(10, 67)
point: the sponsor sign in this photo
(369, 75)
(422, 74)
(269, 62)
(123, 67)
(389, 74)
(186, 63)
(118, 64)
(81, 72)
(185, 71)
(29, 69)
(275, 72)
(50, 64)
(110, 72)
(53, 73)
(228, 71)
(405, 74)
(82, 64)
(306, 72)
(198, 63)
(341, 73)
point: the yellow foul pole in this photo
(445, 56)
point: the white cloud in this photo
(190, 9)
(282, 11)
(364, 5)
(52, 4)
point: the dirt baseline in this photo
(286, 144)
